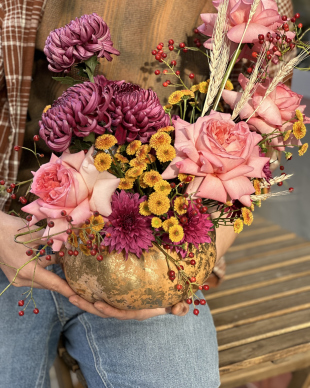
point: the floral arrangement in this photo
(133, 174)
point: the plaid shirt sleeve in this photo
(19, 20)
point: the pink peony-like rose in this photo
(221, 154)
(278, 108)
(266, 19)
(71, 183)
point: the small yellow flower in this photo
(72, 240)
(160, 139)
(102, 161)
(121, 158)
(187, 92)
(288, 155)
(141, 182)
(167, 108)
(238, 226)
(162, 187)
(182, 177)
(194, 88)
(85, 250)
(303, 149)
(169, 223)
(143, 151)
(175, 97)
(204, 86)
(229, 85)
(84, 232)
(176, 233)
(170, 128)
(144, 209)
(287, 134)
(259, 203)
(138, 163)
(104, 142)
(97, 223)
(228, 203)
(156, 222)
(165, 153)
(252, 207)
(151, 178)
(299, 115)
(299, 130)
(133, 147)
(134, 172)
(247, 216)
(179, 203)
(126, 184)
(46, 108)
(149, 159)
(159, 204)
(256, 184)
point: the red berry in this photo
(87, 221)
(170, 41)
(249, 70)
(206, 287)
(254, 54)
(183, 220)
(268, 35)
(261, 42)
(182, 45)
(274, 49)
(168, 81)
(75, 252)
(161, 43)
(269, 57)
(21, 303)
(69, 218)
(192, 262)
(278, 37)
(196, 311)
(96, 213)
(158, 57)
(292, 46)
(191, 254)
(283, 173)
(164, 55)
(204, 209)
(271, 39)
(198, 44)
(9, 190)
(196, 31)
(184, 206)
(165, 84)
(13, 196)
(291, 189)
(172, 185)
(69, 231)
(51, 224)
(61, 253)
(171, 48)
(202, 302)
(171, 273)
(281, 167)
(29, 252)
(196, 302)
(284, 18)
(300, 25)
(42, 251)
(29, 218)
(48, 257)
(293, 20)
(108, 234)
(173, 63)
(17, 148)
(297, 16)
(185, 50)
(188, 179)
(166, 246)
(261, 37)
(70, 252)
(280, 184)
(99, 257)
(165, 71)
(91, 236)
(63, 213)
(191, 76)
(182, 268)
(93, 252)
(50, 242)
(189, 301)
(200, 288)
(2, 182)
(36, 311)
(288, 40)
(154, 52)
(179, 287)
(36, 138)
(177, 72)
(199, 200)
(21, 313)
(192, 279)
(285, 26)
(172, 278)
(157, 72)
(159, 47)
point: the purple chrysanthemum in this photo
(78, 41)
(196, 230)
(136, 113)
(81, 109)
(266, 168)
(129, 230)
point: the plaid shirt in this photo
(19, 21)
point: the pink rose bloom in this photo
(221, 154)
(279, 107)
(71, 183)
(266, 19)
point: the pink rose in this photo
(266, 19)
(279, 107)
(221, 154)
(71, 183)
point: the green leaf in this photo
(90, 138)
(91, 63)
(67, 80)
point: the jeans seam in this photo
(60, 311)
(94, 350)
(42, 373)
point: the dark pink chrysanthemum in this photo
(196, 230)
(80, 110)
(266, 168)
(78, 41)
(129, 230)
(136, 113)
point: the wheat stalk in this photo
(275, 181)
(285, 70)
(251, 85)
(268, 195)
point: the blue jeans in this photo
(161, 352)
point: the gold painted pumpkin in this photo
(136, 283)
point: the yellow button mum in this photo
(156, 222)
(133, 147)
(170, 128)
(134, 172)
(159, 204)
(204, 86)
(247, 216)
(144, 209)
(102, 161)
(138, 163)
(121, 158)
(299, 115)
(104, 142)
(169, 223)
(126, 184)
(165, 153)
(303, 149)
(160, 139)
(176, 233)
(238, 226)
(229, 85)
(299, 130)
(162, 187)
(179, 203)
(175, 97)
(151, 178)
(286, 135)
(97, 223)
(143, 151)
